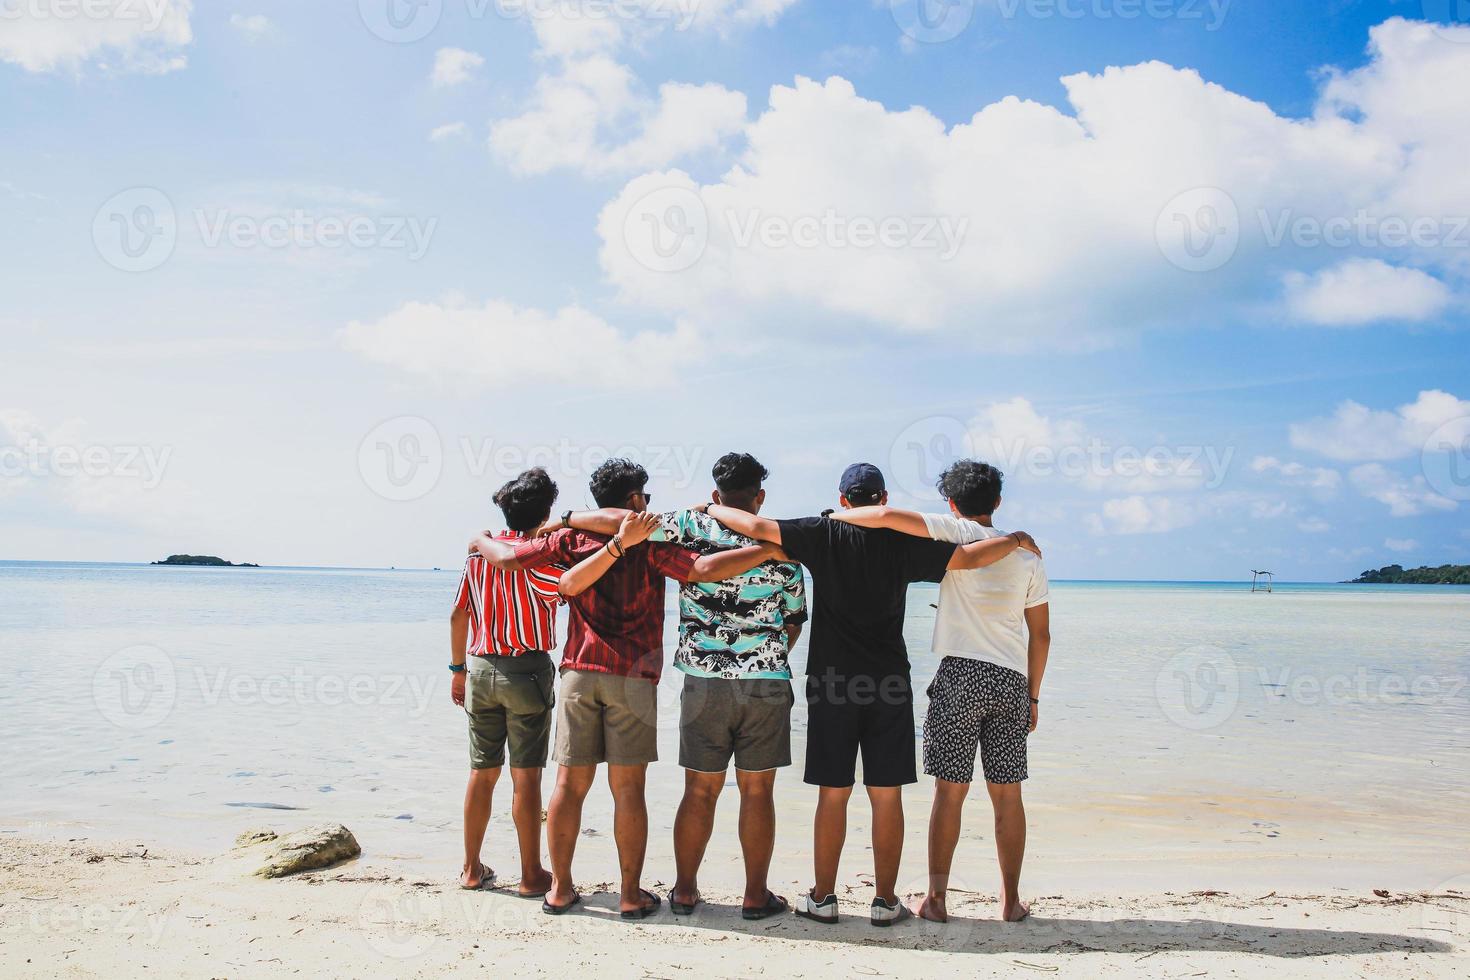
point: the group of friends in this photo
(742, 606)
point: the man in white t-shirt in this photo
(993, 633)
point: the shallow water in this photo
(181, 705)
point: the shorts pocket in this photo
(526, 694)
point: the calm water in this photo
(179, 704)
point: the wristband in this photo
(1035, 700)
(616, 540)
(456, 668)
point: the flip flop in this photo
(487, 880)
(550, 909)
(680, 908)
(775, 905)
(644, 911)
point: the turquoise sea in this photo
(182, 704)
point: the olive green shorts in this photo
(509, 700)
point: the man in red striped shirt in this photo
(502, 627)
(610, 666)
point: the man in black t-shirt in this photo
(858, 689)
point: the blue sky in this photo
(651, 225)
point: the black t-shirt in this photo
(861, 578)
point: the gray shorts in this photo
(509, 699)
(747, 720)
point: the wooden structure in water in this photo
(1262, 581)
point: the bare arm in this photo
(793, 633)
(633, 530)
(608, 520)
(497, 553)
(750, 525)
(978, 554)
(906, 521)
(728, 564)
(1038, 625)
(459, 635)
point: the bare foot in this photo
(536, 883)
(561, 893)
(1015, 911)
(931, 908)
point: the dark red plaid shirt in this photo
(617, 626)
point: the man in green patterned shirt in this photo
(734, 640)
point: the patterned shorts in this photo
(974, 704)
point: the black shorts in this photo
(974, 704)
(867, 715)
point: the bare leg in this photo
(944, 837)
(757, 832)
(563, 824)
(829, 833)
(525, 809)
(477, 796)
(1010, 845)
(693, 825)
(630, 829)
(887, 803)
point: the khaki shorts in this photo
(747, 720)
(606, 718)
(509, 699)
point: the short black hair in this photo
(616, 480)
(973, 487)
(526, 501)
(739, 473)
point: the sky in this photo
(303, 283)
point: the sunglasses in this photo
(647, 497)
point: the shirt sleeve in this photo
(793, 596)
(671, 560)
(554, 547)
(1038, 593)
(805, 539)
(462, 595)
(926, 561)
(943, 527)
(543, 582)
(673, 527)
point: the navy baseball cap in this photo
(865, 479)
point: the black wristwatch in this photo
(566, 519)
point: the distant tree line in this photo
(1398, 575)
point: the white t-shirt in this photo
(982, 610)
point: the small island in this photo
(1397, 575)
(207, 560)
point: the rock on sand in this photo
(301, 850)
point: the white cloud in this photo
(454, 130)
(1023, 180)
(1313, 525)
(1400, 544)
(454, 66)
(1404, 497)
(1319, 479)
(1143, 515)
(1363, 291)
(110, 35)
(1356, 433)
(465, 342)
(252, 26)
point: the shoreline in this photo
(87, 908)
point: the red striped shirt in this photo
(511, 613)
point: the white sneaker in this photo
(884, 914)
(824, 911)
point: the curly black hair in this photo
(974, 487)
(616, 480)
(739, 473)
(526, 501)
